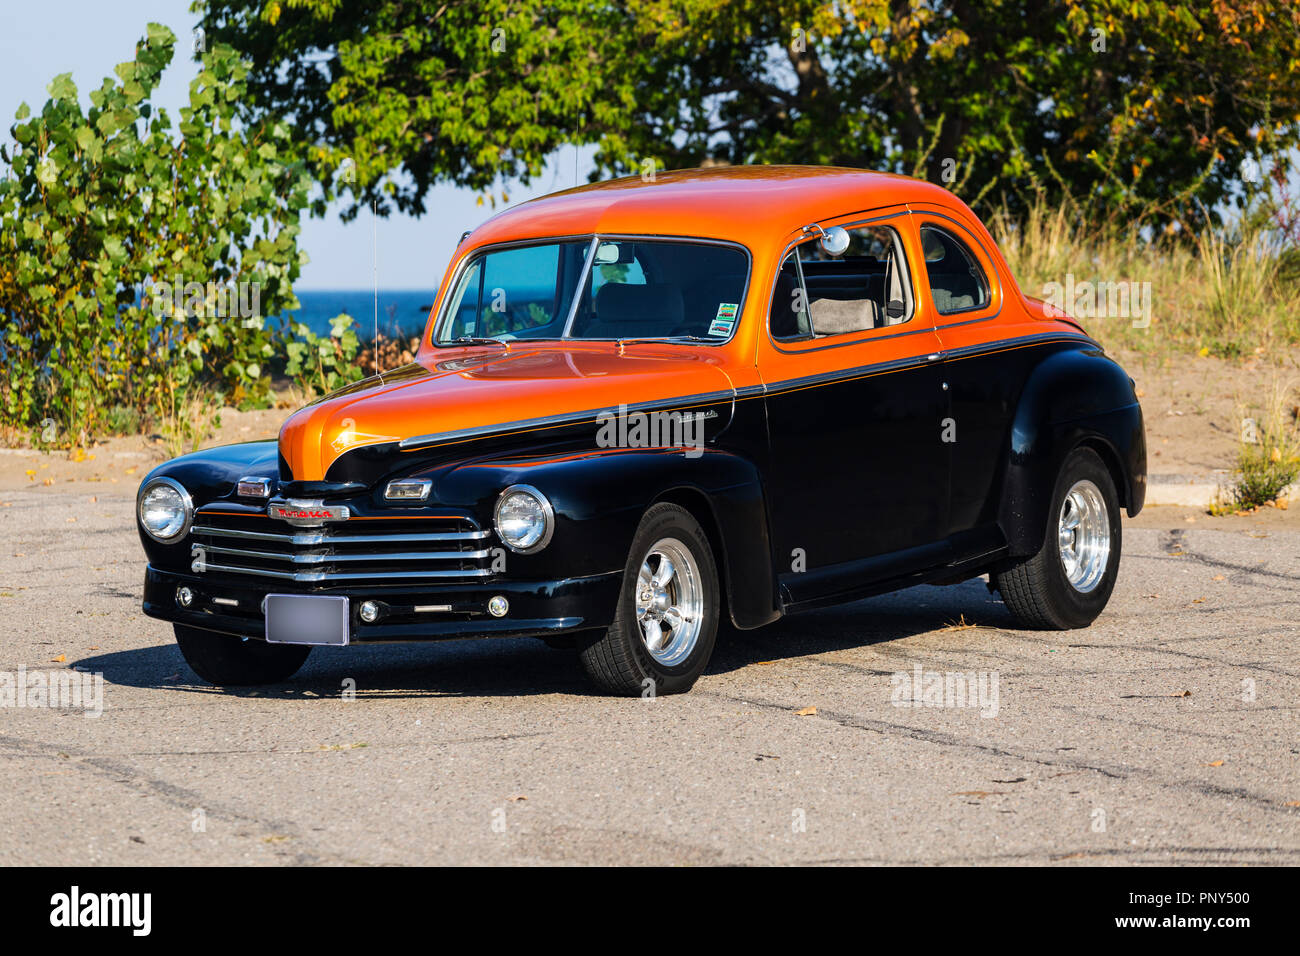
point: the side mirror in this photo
(835, 241)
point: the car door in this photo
(984, 375)
(856, 409)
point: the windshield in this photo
(630, 289)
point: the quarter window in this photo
(957, 283)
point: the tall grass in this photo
(1223, 291)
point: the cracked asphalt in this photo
(1165, 733)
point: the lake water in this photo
(401, 311)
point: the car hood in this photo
(485, 389)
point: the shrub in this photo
(121, 238)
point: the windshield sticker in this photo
(725, 319)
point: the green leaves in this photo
(135, 262)
(1133, 105)
(62, 87)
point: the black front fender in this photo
(600, 495)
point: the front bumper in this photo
(446, 612)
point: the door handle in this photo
(934, 356)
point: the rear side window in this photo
(957, 283)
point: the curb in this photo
(1191, 491)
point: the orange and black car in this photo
(642, 411)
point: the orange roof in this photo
(725, 202)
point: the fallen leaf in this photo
(1217, 577)
(1185, 693)
(1292, 803)
(979, 794)
(274, 839)
(806, 712)
(94, 647)
(517, 798)
(1215, 763)
(1282, 504)
(132, 470)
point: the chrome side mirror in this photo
(835, 241)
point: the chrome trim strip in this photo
(918, 361)
(557, 421)
(316, 539)
(330, 558)
(312, 576)
(583, 276)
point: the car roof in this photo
(725, 202)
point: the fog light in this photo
(184, 597)
(498, 606)
(369, 612)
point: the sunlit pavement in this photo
(1165, 733)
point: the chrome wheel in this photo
(670, 601)
(1083, 534)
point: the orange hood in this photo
(472, 388)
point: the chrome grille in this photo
(408, 549)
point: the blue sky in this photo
(41, 38)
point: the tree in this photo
(135, 257)
(1125, 104)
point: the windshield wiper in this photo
(665, 338)
(479, 340)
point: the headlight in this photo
(164, 509)
(524, 519)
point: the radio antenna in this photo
(374, 343)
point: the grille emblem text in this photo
(306, 514)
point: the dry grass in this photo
(1268, 459)
(1223, 294)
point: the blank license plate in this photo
(306, 619)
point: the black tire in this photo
(619, 661)
(230, 661)
(1038, 591)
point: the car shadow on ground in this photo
(527, 667)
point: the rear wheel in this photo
(667, 618)
(1069, 581)
(230, 661)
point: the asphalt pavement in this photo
(1165, 733)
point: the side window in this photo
(957, 283)
(865, 288)
(788, 317)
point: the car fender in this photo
(600, 495)
(1073, 397)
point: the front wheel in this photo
(1068, 582)
(230, 661)
(667, 618)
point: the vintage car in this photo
(645, 411)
